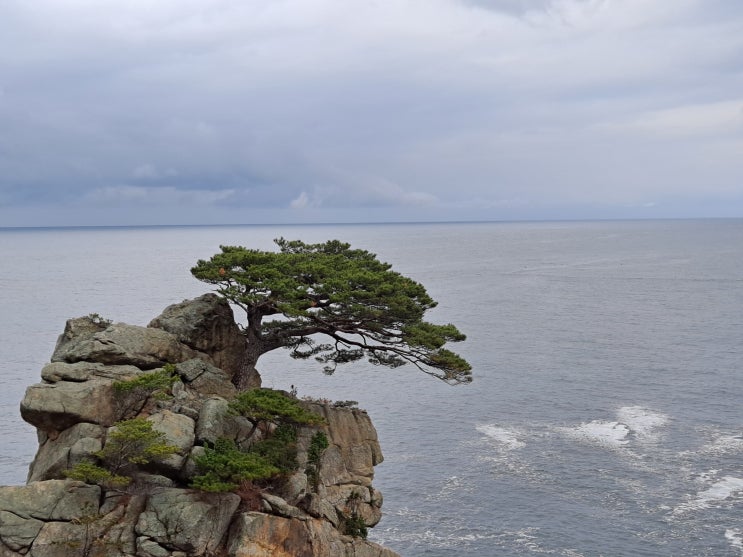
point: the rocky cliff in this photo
(75, 409)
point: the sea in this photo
(605, 417)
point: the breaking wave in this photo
(631, 423)
(729, 487)
(505, 438)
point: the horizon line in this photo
(366, 223)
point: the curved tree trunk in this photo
(247, 377)
(256, 345)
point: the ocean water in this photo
(605, 417)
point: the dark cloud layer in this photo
(323, 110)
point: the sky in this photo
(297, 111)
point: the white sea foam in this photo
(726, 488)
(724, 444)
(709, 475)
(453, 534)
(641, 421)
(735, 537)
(608, 434)
(632, 422)
(502, 451)
(527, 540)
(506, 439)
(452, 488)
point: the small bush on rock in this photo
(130, 444)
(354, 525)
(264, 406)
(318, 444)
(280, 449)
(133, 443)
(158, 380)
(133, 394)
(224, 467)
(90, 473)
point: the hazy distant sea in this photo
(606, 413)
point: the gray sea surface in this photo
(605, 417)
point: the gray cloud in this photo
(514, 7)
(306, 110)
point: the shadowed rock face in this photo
(76, 404)
(207, 325)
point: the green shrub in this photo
(133, 443)
(90, 473)
(354, 525)
(318, 444)
(212, 483)
(129, 444)
(268, 405)
(224, 467)
(280, 449)
(132, 394)
(158, 380)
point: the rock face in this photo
(76, 405)
(206, 324)
(119, 343)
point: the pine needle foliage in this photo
(148, 383)
(133, 394)
(224, 467)
(268, 405)
(130, 444)
(318, 444)
(133, 443)
(91, 473)
(354, 525)
(354, 303)
(280, 449)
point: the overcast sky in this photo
(246, 111)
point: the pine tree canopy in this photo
(335, 304)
